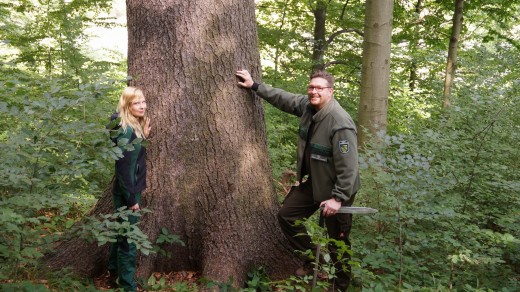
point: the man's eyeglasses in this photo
(318, 89)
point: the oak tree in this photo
(209, 177)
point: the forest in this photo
(433, 86)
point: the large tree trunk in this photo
(451, 64)
(375, 72)
(209, 175)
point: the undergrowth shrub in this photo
(448, 201)
(55, 157)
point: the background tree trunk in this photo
(414, 41)
(209, 175)
(451, 64)
(278, 49)
(375, 72)
(318, 48)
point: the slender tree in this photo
(318, 48)
(451, 64)
(209, 174)
(320, 40)
(413, 47)
(281, 26)
(375, 72)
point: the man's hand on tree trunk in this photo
(247, 80)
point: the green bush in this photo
(55, 160)
(448, 200)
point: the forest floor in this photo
(170, 279)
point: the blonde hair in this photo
(129, 95)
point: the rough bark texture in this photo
(451, 64)
(375, 72)
(209, 178)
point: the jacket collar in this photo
(321, 114)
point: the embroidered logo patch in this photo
(344, 146)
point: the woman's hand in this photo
(147, 128)
(135, 207)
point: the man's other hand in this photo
(330, 207)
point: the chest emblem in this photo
(344, 146)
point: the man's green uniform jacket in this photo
(334, 155)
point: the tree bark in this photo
(209, 177)
(375, 72)
(451, 64)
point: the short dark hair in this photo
(325, 75)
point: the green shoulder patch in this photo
(344, 146)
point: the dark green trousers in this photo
(123, 255)
(299, 204)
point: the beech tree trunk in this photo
(375, 71)
(451, 64)
(209, 178)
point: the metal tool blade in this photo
(357, 210)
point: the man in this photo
(327, 163)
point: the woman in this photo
(130, 181)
